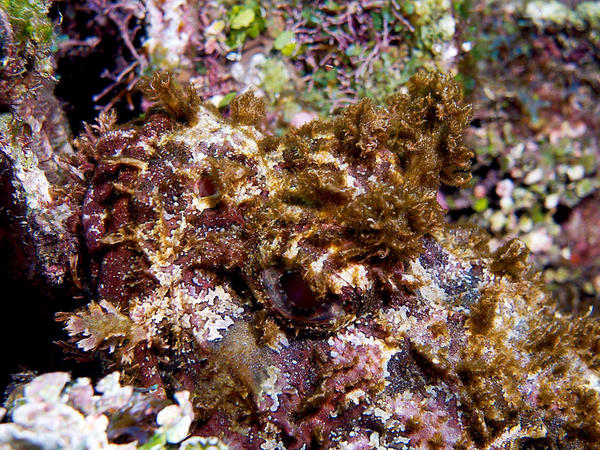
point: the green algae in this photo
(33, 33)
(30, 22)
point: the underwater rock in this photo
(34, 148)
(52, 411)
(582, 233)
(306, 289)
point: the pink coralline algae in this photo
(306, 289)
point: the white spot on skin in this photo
(429, 290)
(317, 266)
(355, 396)
(382, 414)
(374, 439)
(292, 250)
(593, 381)
(431, 390)
(217, 324)
(269, 387)
(217, 316)
(353, 276)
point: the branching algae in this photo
(306, 289)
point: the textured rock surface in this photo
(34, 147)
(306, 291)
(51, 411)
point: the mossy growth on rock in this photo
(520, 365)
(26, 38)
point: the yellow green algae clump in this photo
(307, 290)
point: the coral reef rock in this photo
(51, 412)
(34, 149)
(307, 291)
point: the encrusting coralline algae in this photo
(306, 290)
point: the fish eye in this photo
(290, 295)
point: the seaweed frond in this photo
(428, 121)
(180, 102)
(103, 326)
(247, 109)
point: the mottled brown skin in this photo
(307, 290)
(382, 226)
